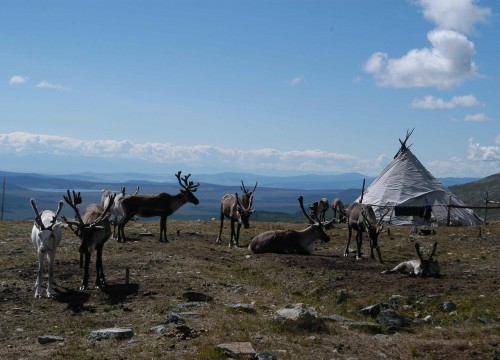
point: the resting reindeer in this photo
(291, 241)
(163, 205)
(361, 218)
(338, 207)
(232, 208)
(116, 211)
(421, 267)
(45, 237)
(93, 229)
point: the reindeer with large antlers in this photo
(162, 205)
(361, 218)
(292, 241)
(237, 211)
(94, 229)
(116, 211)
(45, 237)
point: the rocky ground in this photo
(186, 297)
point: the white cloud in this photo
(476, 118)
(18, 80)
(296, 80)
(430, 102)
(264, 159)
(46, 85)
(445, 65)
(483, 153)
(459, 15)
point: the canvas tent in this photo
(413, 195)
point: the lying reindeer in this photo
(292, 241)
(45, 236)
(361, 218)
(421, 267)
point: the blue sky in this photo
(266, 87)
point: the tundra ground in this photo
(161, 273)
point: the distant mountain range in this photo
(275, 197)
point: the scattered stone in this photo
(193, 296)
(237, 349)
(158, 329)
(173, 318)
(247, 308)
(337, 318)
(374, 310)
(395, 301)
(341, 296)
(265, 356)
(191, 304)
(449, 306)
(300, 315)
(111, 333)
(47, 339)
(181, 332)
(391, 318)
(189, 314)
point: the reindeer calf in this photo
(421, 267)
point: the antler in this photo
(38, 217)
(59, 208)
(433, 250)
(74, 202)
(136, 190)
(188, 185)
(380, 220)
(104, 213)
(244, 189)
(313, 219)
(417, 247)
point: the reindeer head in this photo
(244, 212)
(95, 229)
(44, 226)
(188, 188)
(373, 229)
(247, 197)
(313, 219)
(427, 267)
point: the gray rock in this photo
(248, 308)
(341, 296)
(300, 315)
(265, 356)
(391, 318)
(197, 296)
(337, 318)
(237, 349)
(449, 306)
(111, 333)
(173, 318)
(374, 310)
(47, 339)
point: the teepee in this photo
(413, 195)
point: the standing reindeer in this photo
(237, 212)
(116, 210)
(338, 207)
(45, 237)
(292, 241)
(93, 229)
(361, 218)
(421, 267)
(163, 205)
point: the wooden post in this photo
(3, 198)
(486, 211)
(362, 192)
(449, 213)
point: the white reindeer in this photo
(237, 211)
(116, 211)
(292, 241)
(421, 267)
(45, 237)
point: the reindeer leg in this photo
(121, 228)
(85, 281)
(50, 257)
(346, 251)
(100, 281)
(38, 283)
(359, 243)
(219, 239)
(233, 234)
(165, 230)
(238, 235)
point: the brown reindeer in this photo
(234, 209)
(361, 218)
(292, 241)
(162, 205)
(339, 208)
(93, 229)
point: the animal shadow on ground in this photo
(118, 293)
(74, 299)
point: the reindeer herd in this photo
(93, 228)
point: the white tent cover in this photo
(406, 182)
